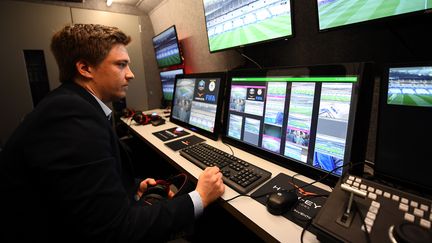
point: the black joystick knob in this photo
(411, 233)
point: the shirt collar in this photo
(104, 107)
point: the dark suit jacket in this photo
(62, 178)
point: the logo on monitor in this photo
(212, 86)
(201, 85)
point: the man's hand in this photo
(210, 185)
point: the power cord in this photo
(248, 58)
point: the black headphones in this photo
(157, 192)
(141, 118)
(128, 112)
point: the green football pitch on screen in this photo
(410, 99)
(276, 27)
(342, 12)
(169, 60)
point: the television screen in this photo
(404, 124)
(410, 86)
(197, 102)
(232, 23)
(167, 79)
(301, 118)
(166, 47)
(335, 13)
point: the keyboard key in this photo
(425, 223)
(409, 217)
(418, 212)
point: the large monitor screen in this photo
(335, 13)
(197, 102)
(300, 118)
(166, 47)
(404, 125)
(167, 79)
(234, 23)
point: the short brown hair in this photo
(88, 42)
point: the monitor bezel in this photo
(177, 44)
(370, 21)
(381, 169)
(253, 43)
(217, 126)
(362, 102)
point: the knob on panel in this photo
(411, 233)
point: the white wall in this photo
(188, 17)
(24, 26)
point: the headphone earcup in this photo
(126, 112)
(141, 118)
(155, 193)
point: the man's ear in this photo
(84, 69)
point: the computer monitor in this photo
(239, 23)
(337, 13)
(166, 46)
(167, 80)
(310, 119)
(197, 102)
(404, 125)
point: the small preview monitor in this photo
(167, 48)
(197, 102)
(239, 23)
(167, 80)
(404, 125)
(410, 86)
(303, 118)
(336, 13)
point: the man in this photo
(62, 176)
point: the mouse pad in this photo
(305, 209)
(169, 134)
(184, 142)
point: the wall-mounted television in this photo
(166, 46)
(167, 80)
(234, 23)
(337, 13)
(308, 119)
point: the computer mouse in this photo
(280, 202)
(179, 129)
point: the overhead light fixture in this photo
(109, 2)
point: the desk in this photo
(248, 211)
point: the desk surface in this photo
(250, 212)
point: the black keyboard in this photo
(237, 173)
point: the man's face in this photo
(111, 77)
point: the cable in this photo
(331, 172)
(300, 187)
(250, 59)
(368, 239)
(232, 152)
(172, 179)
(309, 222)
(304, 230)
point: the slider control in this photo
(346, 218)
